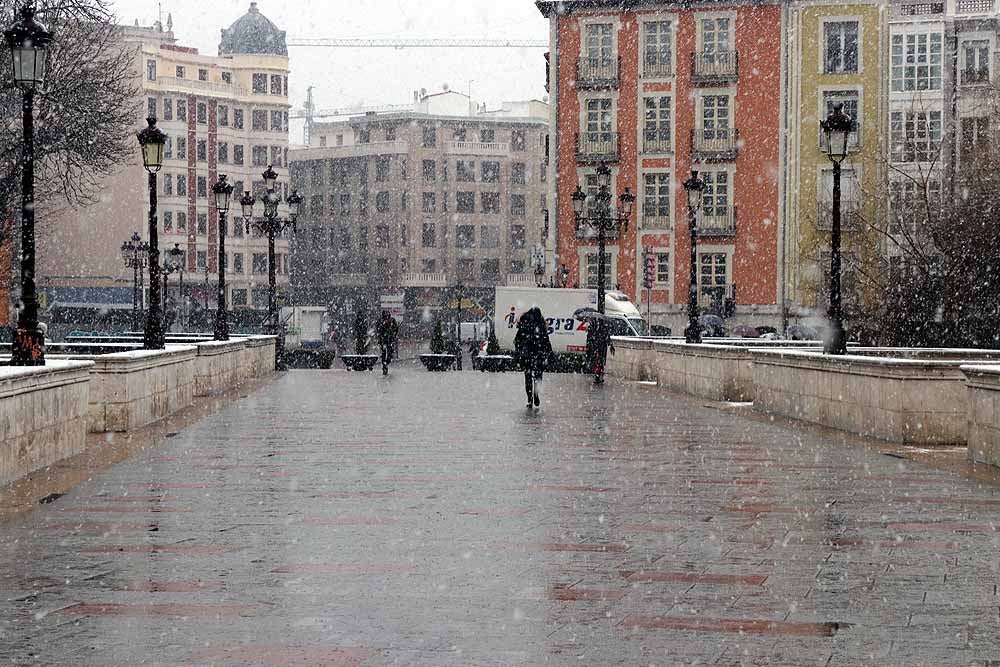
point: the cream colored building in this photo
(223, 114)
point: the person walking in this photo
(532, 349)
(598, 342)
(387, 332)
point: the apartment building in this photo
(654, 91)
(419, 201)
(222, 114)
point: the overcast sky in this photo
(344, 77)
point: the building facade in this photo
(418, 202)
(224, 114)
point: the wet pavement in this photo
(429, 519)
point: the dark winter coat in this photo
(532, 348)
(386, 332)
(598, 341)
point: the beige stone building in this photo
(223, 114)
(416, 202)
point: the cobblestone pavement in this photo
(429, 519)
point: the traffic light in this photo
(649, 268)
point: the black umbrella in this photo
(588, 313)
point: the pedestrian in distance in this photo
(532, 350)
(387, 332)
(598, 342)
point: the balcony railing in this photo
(975, 77)
(521, 280)
(657, 142)
(714, 67)
(597, 146)
(653, 220)
(714, 145)
(717, 221)
(597, 72)
(411, 279)
(973, 6)
(477, 148)
(850, 215)
(657, 69)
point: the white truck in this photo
(567, 334)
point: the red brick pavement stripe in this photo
(285, 655)
(99, 528)
(944, 527)
(189, 549)
(123, 509)
(749, 626)
(168, 586)
(763, 508)
(733, 482)
(844, 542)
(940, 500)
(568, 594)
(649, 528)
(345, 521)
(133, 499)
(693, 578)
(426, 479)
(497, 512)
(336, 568)
(171, 486)
(570, 487)
(180, 610)
(587, 547)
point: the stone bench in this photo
(983, 387)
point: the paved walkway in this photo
(429, 519)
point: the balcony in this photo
(172, 83)
(717, 221)
(976, 77)
(371, 149)
(714, 145)
(657, 142)
(657, 69)
(597, 72)
(715, 67)
(424, 280)
(850, 215)
(597, 147)
(521, 280)
(966, 7)
(477, 148)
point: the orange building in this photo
(654, 91)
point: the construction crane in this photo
(422, 43)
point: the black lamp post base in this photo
(28, 348)
(837, 341)
(692, 334)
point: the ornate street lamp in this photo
(135, 253)
(272, 225)
(694, 188)
(837, 127)
(177, 258)
(223, 191)
(152, 141)
(604, 220)
(28, 41)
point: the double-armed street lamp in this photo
(223, 191)
(177, 259)
(151, 141)
(694, 187)
(271, 225)
(28, 41)
(135, 254)
(603, 219)
(837, 128)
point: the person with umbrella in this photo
(387, 332)
(532, 350)
(598, 341)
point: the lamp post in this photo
(177, 257)
(837, 127)
(151, 140)
(223, 191)
(694, 187)
(564, 275)
(135, 252)
(271, 225)
(28, 41)
(604, 220)
(204, 292)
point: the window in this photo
(223, 152)
(168, 184)
(852, 107)
(239, 296)
(428, 265)
(168, 148)
(518, 173)
(656, 123)
(490, 171)
(465, 202)
(465, 236)
(593, 259)
(465, 171)
(259, 84)
(202, 186)
(916, 61)
(179, 72)
(404, 236)
(490, 269)
(909, 202)
(316, 205)
(487, 135)
(716, 39)
(238, 262)
(202, 224)
(656, 199)
(429, 137)
(259, 120)
(657, 48)
(227, 78)
(849, 198)
(489, 236)
(259, 156)
(181, 220)
(237, 223)
(151, 70)
(181, 185)
(429, 171)
(429, 203)
(223, 115)
(277, 158)
(238, 119)
(460, 134)
(840, 47)
(238, 154)
(517, 237)
(168, 109)
(598, 45)
(662, 276)
(975, 133)
(345, 204)
(275, 84)
(713, 278)
(390, 133)
(975, 55)
(466, 269)
(382, 165)
(598, 122)
(202, 110)
(715, 118)
(277, 121)
(490, 202)
(715, 198)
(259, 263)
(182, 110)
(168, 221)
(203, 75)
(517, 140)
(444, 202)
(517, 266)
(517, 206)
(364, 136)
(363, 204)
(404, 167)
(915, 135)
(202, 150)
(428, 236)
(201, 260)
(151, 107)
(381, 236)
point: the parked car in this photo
(659, 331)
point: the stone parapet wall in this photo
(260, 351)
(983, 387)
(43, 415)
(220, 366)
(899, 400)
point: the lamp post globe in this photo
(294, 204)
(270, 178)
(837, 128)
(694, 188)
